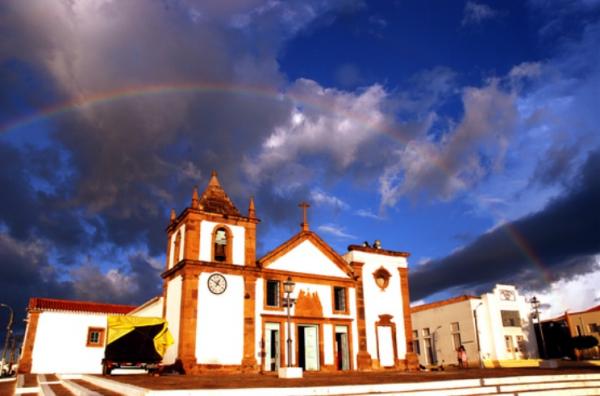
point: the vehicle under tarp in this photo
(135, 342)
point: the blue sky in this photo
(463, 132)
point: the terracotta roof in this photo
(564, 315)
(593, 309)
(377, 251)
(215, 199)
(437, 304)
(53, 304)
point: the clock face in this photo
(217, 283)
(507, 295)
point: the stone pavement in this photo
(230, 381)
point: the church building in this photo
(228, 310)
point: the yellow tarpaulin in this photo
(118, 326)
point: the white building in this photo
(226, 311)
(496, 324)
(65, 336)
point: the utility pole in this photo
(477, 335)
(288, 288)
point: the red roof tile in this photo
(54, 304)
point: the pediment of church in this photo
(308, 254)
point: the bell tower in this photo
(210, 272)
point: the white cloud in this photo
(417, 303)
(424, 261)
(475, 13)
(475, 148)
(336, 231)
(369, 214)
(319, 197)
(526, 70)
(325, 121)
(572, 295)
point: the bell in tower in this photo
(221, 245)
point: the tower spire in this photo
(195, 199)
(214, 180)
(251, 210)
(304, 206)
(173, 216)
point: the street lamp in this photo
(8, 335)
(535, 304)
(477, 334)
(288, 288)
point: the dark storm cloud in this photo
(26, 272)
(563, 238)
(131, 159)
(86, 192)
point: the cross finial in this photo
(304, 224)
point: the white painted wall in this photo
(495, 348)
(206, 245)
(152, 310)
(60, 343)
(173, 316)
(379, 302)
(220, 324)
(439, 321)
(489, 320)
(307, 258)
(172, 262)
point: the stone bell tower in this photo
(211, 263)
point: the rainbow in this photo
(270, 93)
(135, 91)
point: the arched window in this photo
(176, 248)
(222, 244)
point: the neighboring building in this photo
(65, 336)
(497, 324)
(558, 332)
(226, 309)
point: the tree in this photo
(579, 343)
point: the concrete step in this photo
(537, 385)
(26, 384)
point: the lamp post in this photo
(8, 335)
(288, 288)
(535, 304)
(477, 334)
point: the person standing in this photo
(462, 357)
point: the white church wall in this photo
(308, 259)
(172, 260)
(380, 302)
(327, 344)
(60, 343)
(173, 316)
(206, 247)
(325, 297)
(220, 324)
